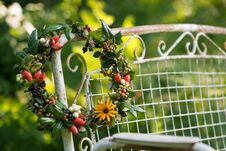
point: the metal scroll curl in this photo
(162, 45)
(69, 65)
(204, 49)
(191, 47)
(74, 69)
(136, 48)
(83, 146)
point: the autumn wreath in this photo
(51, 113)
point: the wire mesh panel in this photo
(180, 96)
(185, 97)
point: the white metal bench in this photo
(182, 93)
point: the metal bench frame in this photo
(147, 141)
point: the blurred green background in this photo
(17, 125)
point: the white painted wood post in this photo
(59, 86)
(61, 94)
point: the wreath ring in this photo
(51, 112)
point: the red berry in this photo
(127, 78)
(123, 91)
(42, 77)
(79, 122)
(118, 77)
(55, 39)
(88, 28)
(27, 75)
(74, 130)
(56, 47)
(37, 74)
(105, 46)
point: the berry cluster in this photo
(123, 89)
(37, 102)
(52, 42)
(108, 46)
(77, 118)
(37, 89)
(38, 75)
(51, 100)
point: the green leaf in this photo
(121, 106)
(106, 30)
(68, 123)
(137, 108)
(56, 128)
(113, 122)
(40, 101)
(57, 112)
(79, 24)
(133, 112)
(27, 61)
(53, 28)
(36, 105)
(119, 53)
(118, 38)
(21, 54)
(97, 54)
(132, 74)
(45, 95)
(59, 125)
(98, 35)
(59, 104)
(16, 66)
(123, 114)
(119, 66)
(131, 94)
(106, 64)
(67, 32)
(110, 55)
(68, 21)
(36, 67)
(133, 109)
(46, 121)
(33, 42)
(94, 126)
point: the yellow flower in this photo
(105, 110)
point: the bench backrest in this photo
(182, 93)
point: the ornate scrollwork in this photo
(162, 45)
(75, 69)
(83, 146)
(68, 63)
(135, 49)
(196, 47)
(204, 50)
(192, 47)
